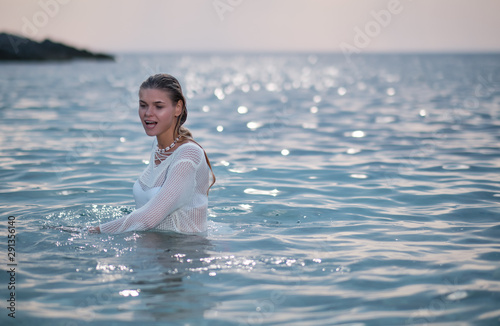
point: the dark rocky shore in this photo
(18, 48)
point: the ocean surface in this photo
(349, 192)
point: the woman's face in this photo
(157, 112)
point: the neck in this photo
(165, 140)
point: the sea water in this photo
(350, 191)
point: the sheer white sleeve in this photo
(176, 192)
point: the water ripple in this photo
(365, 196)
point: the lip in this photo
(150, 124)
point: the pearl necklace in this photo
(162, 153)
(164, 150)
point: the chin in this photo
(149, 132)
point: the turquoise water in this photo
(349, 193)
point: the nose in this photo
(148, 111)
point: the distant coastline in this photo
(18, 48)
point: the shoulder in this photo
(190, 151)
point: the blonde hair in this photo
(172, 87)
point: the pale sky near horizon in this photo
(259, 25)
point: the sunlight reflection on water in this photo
(338, 185)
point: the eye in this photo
(159, 107)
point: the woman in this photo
(172, 193)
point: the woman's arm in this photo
(175, 192)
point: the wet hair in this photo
(171, 86)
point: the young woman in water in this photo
(172, 192)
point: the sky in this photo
(349, 26)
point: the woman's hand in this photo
(94, 229)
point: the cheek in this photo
(164, 115)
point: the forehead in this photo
(153, 94)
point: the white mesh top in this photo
(170, 196)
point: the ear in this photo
(178, 108)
